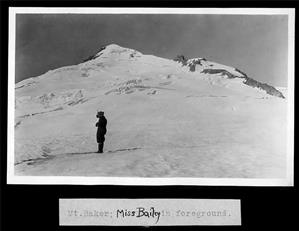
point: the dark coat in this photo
(101, 124)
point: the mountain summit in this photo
(111, 50)
(166, 118)
(199, 65)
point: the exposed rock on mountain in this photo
(207, 67)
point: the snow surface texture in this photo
(164, 120)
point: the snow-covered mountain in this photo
(195, 118)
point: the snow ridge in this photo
(204, 66)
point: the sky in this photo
(257, 45)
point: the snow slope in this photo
(163, 121)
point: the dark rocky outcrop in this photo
(241, 72)
(248, 81)
(95, 55)
(181, 59)
(195, 62)
(263, 86)
(191, 64)
(219, 71)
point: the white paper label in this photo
(149, 212)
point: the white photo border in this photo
(69, 180)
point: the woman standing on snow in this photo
(101, 124)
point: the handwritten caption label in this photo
(149, 212)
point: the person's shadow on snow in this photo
(80, 153)
(110, 151)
